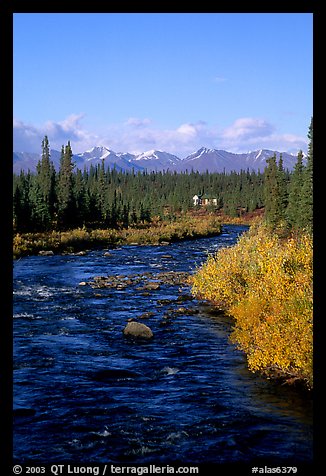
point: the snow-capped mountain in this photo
(96, 153)
(215, 160)
(212, 160)
(203, 159)
(155, 160)
(121, 160)
(257, 159)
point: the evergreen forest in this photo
(101, 197)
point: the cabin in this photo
(196, 200)
(204, 200)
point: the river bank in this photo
(194, 224)
(81, 239)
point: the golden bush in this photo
(265, 283)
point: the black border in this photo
(6, 115)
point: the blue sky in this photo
(168, 81)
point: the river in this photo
(84, 392)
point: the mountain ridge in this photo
(202, 160)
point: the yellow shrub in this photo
(265, 283)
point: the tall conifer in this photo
(307, 187)
(66, 202)
(271, 192)
(42, 193)
(293, 211)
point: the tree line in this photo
(289, 199)
(101, 197)
(105, 197)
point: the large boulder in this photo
(137, 329)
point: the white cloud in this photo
(180, 141)
(249, 133)
(187, 130)
(246, 128)
(68, 129)
(136, 135)
(28, 138)
(137, 122)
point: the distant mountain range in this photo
(211, 160)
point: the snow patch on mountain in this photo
(202, 160)
(148, 155)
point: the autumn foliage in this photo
(154, 233)
(265, 283)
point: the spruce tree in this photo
(293, 211)
(307, 186)
(22, 206)
(271, 192)
(101, 193)
(282, 192)
(66, 202)
(125, 216)
(42, 191)
(81, 202)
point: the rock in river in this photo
(137, 329)
(107, 375)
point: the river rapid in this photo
(83, 392)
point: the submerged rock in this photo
(138, 330)
(151, 286)
(165, 302)
(186, 311)
(146, 315)
(113, 374)
(147, 281)
(185, 297)
(46, 253)
(170, 370)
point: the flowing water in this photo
(84, 392)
